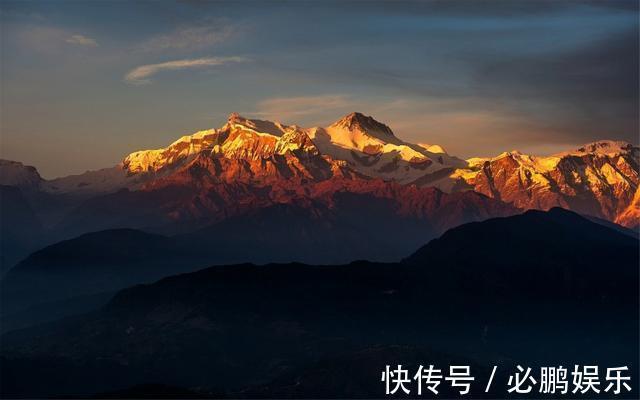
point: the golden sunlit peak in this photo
(364, 122)
(235, 117)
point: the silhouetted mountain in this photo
(92, 263)
(354, 226)
(20, 229)
(26, 213)
(556, 250)
(633, 232)
(534, 289)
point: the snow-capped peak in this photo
(240, 137)
(357, 132)
(433, 148)
(256, 125)
(602, 147)
(371, 148)
(365, 123)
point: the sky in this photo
(85, 83)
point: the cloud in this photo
(46, 39)
(140, 75)
(82, 40)
(583, 94)
(190, 38)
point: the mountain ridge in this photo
(599, 178)
(236, 327)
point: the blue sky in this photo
(85, 83)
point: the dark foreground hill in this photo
(535, 253)
(356, 226)
(540, 289)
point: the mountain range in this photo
(328, 195)
(247, 165)
(535, 289)
(104, 293)
(599, 179)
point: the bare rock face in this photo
(253, 141)
(598, 179)
(249, 162)
(364, 123)
(630, 217)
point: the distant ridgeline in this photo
(353, 179)
(536, 289)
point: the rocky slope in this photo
(362, 143)
(631, 215)
(371, 148)
(598, 179)
(226, 167)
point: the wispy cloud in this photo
(82, 40)
(190, 38)
(141, 74)
(47, 39)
